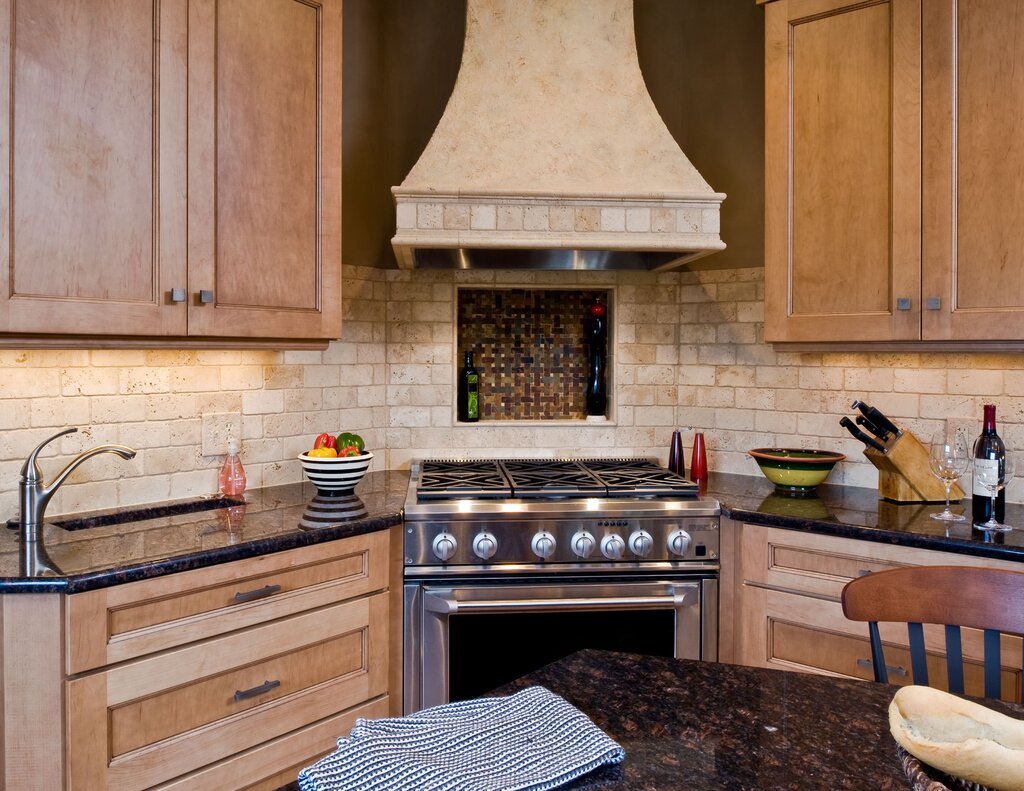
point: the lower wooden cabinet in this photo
(228, 677)
(787, 612)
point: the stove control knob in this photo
(678, 542)
(543, 545)
(641, 543)
(583, 544)
(485, 545)
(612, 546)
(444, 546)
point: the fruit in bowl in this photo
(335, 464)
(795, 470)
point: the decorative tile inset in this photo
(529, 347)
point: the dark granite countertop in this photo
(703, 726)
(859, 513)
(113, 547)
(118, 546)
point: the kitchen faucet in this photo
(35, 496)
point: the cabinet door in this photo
(265, 168)
(842, 180)
(92, 166)
(973, 165)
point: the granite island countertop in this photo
(703, 726)
(853, 512)
(124, 545)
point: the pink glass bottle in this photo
(232, 475)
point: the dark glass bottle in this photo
(988, 450)
(597, 394)
(675, 454)
(469, 391)
(595, 327)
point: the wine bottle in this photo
(469, 391)
(989, 452)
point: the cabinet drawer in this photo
(128, 621)
(148, 721)
(844, 655)
(796, 632)
(816, 564)
(277, 763)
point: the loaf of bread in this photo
(961, 738)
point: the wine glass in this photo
(948, 461)
(993, 477)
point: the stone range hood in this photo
(551, 154)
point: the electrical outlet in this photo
(218, 428)
(969, 427)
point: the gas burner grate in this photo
(442, 480)
(639, 478)
(545, 478)
(548, 479)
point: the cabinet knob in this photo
(903, 303)
(177, 295)
(934, 303)
(205, 297)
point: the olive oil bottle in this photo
(469, 391)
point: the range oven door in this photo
(466, 637)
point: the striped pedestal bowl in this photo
(335, 476)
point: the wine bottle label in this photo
(473, 396)
(985, 470)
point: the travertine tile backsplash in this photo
(687, 352)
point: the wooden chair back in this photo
(991, 600)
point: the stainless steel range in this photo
(513, 563)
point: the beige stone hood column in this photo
(551, 153)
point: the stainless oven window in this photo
(466, 637)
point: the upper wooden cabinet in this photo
(973, 245)
(171, 168)
(842, 161)
(891, 162)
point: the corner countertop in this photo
(853, 512)
(707, 726)
(113, 547)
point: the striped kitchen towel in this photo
(533, 740)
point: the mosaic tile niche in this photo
(529, 346)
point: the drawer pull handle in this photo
(892, 670)
(259, 593)
(266, 686)
(863, 572)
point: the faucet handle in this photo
(30, 470)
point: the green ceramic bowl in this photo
(795, 469)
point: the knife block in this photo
(904, 476)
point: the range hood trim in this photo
(713, 199)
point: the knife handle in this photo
(877, 418)
(846, 423)
(882, 434)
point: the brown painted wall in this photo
(703, 63)
(401, 58)
(704, 66)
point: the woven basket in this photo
(927, 778)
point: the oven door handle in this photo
(449, 605)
